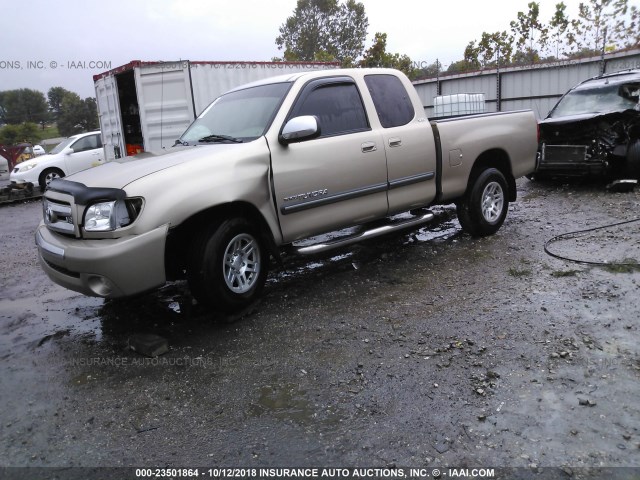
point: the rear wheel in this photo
(48, 175)
(484, 206)
(228, 265)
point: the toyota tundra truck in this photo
(269, 164)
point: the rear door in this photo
(165, 103)
(337, 179)
(110, 118)
(408, 142)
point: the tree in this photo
(529, 33)
(525, 56)
(25, 132)
(29, 132)
(491, 49)
(91, 121)
(23, 105)
(377, 56)
(633, 29)
(324, 29)
(612, 19)
(9, 134)
(77, 115)
(558, 31)
(462, 66)
(430, 71)
(55, 96)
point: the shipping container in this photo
(146, 106)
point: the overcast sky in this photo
(64, 43)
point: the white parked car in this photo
(74, 154)
(38, 150)
(4, 165)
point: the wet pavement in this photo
(422, 349)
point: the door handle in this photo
(395, 142)
(368, 147)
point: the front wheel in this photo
(48, 175)
(228, 265)
(484, 206)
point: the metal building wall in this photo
(536, 87)
(484, 84)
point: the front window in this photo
(602, 99)
(90, 142)
(338, 107)
(62, 145)
(240, 116)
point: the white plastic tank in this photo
(458, 104)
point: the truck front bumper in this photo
(569, 160)
(109, 268)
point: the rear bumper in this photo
(109, 268)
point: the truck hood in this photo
(119, 173)
(588, 116)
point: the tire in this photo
(484, 206)
(227, 265)
(48, 175)
(633, 160)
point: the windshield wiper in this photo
(220, 138)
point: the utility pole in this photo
(498, 82)
(604, 48)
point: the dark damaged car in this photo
(594, 130)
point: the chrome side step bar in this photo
(375, 232)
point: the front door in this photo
(335, 180)
(87, 153)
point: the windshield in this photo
(603, 99)
(239, 116)
(62, 145)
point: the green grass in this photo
(515, 272)
(565, 273)
(631, 266)
(49, 132)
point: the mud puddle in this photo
(426, 348)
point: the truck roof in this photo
(632, 75)
(292, 77)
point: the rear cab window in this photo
(391, 100)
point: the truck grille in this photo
(564, 154)
(58, 216)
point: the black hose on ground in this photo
(568, 235)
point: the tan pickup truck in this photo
(270, 163)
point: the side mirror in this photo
(68, 151)
(299, 129)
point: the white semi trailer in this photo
(145, 106)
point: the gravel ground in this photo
(425, 349)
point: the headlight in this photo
(26, 168)
(108, 216)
